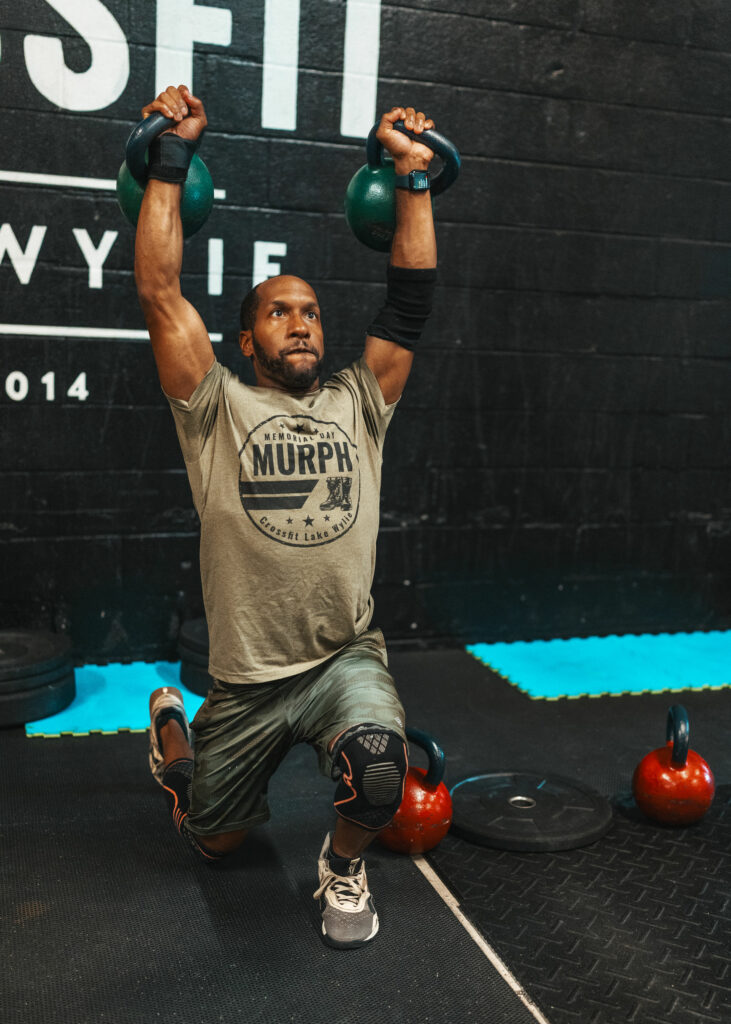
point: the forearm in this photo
(159, 243)
(414, 242)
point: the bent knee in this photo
(213, 848)
(370, 764)
(223, 843)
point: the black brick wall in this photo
(559, 462)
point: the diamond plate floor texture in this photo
(635, 927)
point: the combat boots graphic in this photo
(334, 486)
(339, 494)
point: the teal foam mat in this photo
(113, 697)
(611, 665)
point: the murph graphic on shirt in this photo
(300, 486)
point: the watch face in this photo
(414, 181)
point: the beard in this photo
(279, 368)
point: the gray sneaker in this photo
(349, 918)
(171, 697)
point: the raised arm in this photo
(412, 269)
(180, 342)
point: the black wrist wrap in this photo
(409, 296)
(169, 158)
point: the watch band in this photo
(414, 181)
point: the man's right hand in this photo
(182, 107)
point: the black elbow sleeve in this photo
(409, 296)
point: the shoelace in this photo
(347, 888)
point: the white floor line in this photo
(453, 904)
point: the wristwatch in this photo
(414, 181)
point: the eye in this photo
(277, 312)
(311, 313)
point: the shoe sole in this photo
(156, 769)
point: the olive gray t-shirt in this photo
(287, 490)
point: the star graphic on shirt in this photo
(308, 521)
(327, 519)
(289, 520)
(299, 429)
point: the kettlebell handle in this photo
(139, 141)
(437, 142)
(434, 752)
(678, 730)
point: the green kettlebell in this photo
(197, 198)
(370, 199)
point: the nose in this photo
(300, 328)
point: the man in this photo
(285, 476)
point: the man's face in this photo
(287, 342)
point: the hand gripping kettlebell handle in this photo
(139, 141)
(435, 141)
(678, 730)
(435, 771)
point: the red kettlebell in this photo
(674, 785)
(425, 814)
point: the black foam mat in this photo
(485, 724)
(109, 918)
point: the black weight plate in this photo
(26, 682)
(194, 657)
(195, 678)
(27, 652)
(194, 635)
(40, 702)
(528, 811)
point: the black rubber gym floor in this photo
(108, 918)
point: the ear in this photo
(245, 344)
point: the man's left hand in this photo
(407, 154)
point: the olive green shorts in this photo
(243, 731)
